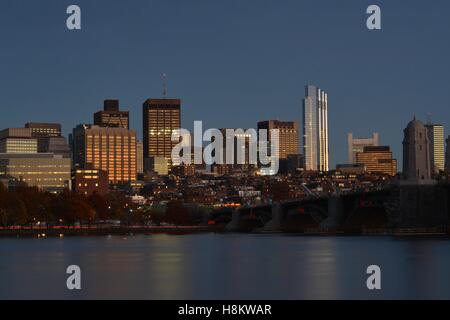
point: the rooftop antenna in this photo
(164, 80)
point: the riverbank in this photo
(103, 231)
(135, 230)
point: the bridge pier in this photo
(274, 225)
(422, 206)
(233, 225)
(335, 213)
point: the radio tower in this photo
(164, 80)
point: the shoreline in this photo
(185, 230)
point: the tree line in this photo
(28, 206)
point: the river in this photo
(225, 266)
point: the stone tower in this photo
(416, 153)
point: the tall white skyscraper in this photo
(315, 129)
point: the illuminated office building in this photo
(91, 181)
(46, 171)
(287, 133)
(111, 116)
(160, 118)
(377, 160)
(42, 130)
(106, 148)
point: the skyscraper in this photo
(437, 146)
(356, 145)
(160, 118)
(287, 134)
(315, 129)
(416, 152)
(109, 149)
(111, 116)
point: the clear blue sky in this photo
(232, 62)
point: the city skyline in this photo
(224, 156)
(70, 75)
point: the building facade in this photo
(160, 118)
(377, 160)
(46, 171)
(111, 116)
(90, 181)
(437, 147)
(49, 138)
(315, 129)
(43, 129)
(288, 136)
(56, 145)
(356, 145)
(416, 152)
(18, 140)
(106, 148)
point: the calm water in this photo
(233, 266)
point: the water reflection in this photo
(230, 266)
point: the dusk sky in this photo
(232, 62)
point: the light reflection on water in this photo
(230, 266)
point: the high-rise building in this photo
(160, 118)
(17, 140)
(106, 148)
(356, 145)
(377, 159)
(437, 146)
(287, 133)
(315, 129)
(416, 152)
(46, 171)
(111, 116)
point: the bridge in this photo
(378, 211)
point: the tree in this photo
(100, 206)
(177, 214)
